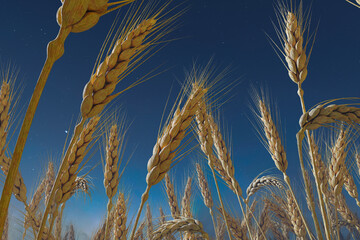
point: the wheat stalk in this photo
(164, 150)
(179, 225)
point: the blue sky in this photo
(232, 32)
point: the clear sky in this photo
(232, 31)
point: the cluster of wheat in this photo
(274, 215)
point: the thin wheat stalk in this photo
(164, 150)
(120, 230)
(179, 225)
(174, 208)
(206, 194)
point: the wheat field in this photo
(103, 135)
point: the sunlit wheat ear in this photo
(345, 212)
(77, 154)
(170, 191)
(204, 188)
(34, 204)
(220, 229)
(186, 206)
(264, 223)
(50, 178)
(185, 202)
(168, 142)
(236, 230)
(179, 225)
(111, 172)
(19, 189)
(100, 233)
(279, 211)
(322, 171)
(310, 196)
(295, 218)
(337, 163)
(120, 230)
(324, 114)
(259, 183)
(70, 234)
(274, 145)
(139, 235)
(223, 155)
(350, 185)
(82, 15)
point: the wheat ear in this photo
(296, 220)
(186, 206)
(206, 194)
(139, 232)
(264, 223)
(235, 227)
(206, 143)
(162, 221)
(179, 225)
(111, 173)
(350, 185)
(345, 212)
(277, 151)
(260, 183)
(149, 223)
(174, 208)
(164, 150)
(100, 233)
(120, 230)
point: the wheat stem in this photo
(54, 51)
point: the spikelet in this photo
(236, 229)
(120, 229)
(350, 185)
(337, 163)
(111, 174)
(204, 188)
(297, 223)
(97, 92)
(261, 182)
(275, 147)
(295, 54)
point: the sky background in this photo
(232, 32)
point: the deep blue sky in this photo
(233, 32)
